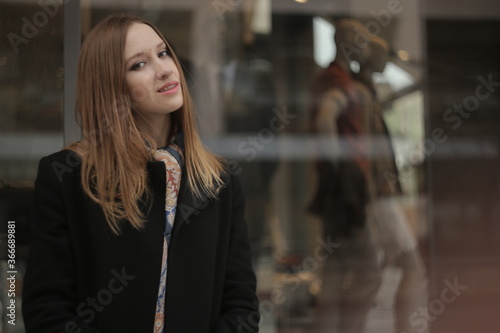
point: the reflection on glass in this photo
(358, 196)
(31, 76)
(250, 66)
(31, 86)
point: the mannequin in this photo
(333, 100)
(385, 213)
(377, 56)
(352, 275)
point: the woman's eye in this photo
(137, 65)
(163, 54)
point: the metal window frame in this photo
(71, 50)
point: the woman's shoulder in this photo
(63, 155)
(231, 171)
(230, 177)
(60, 163)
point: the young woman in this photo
(137, 228)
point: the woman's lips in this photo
(169, 88)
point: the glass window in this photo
(253, 66)
(31, 72)
(31, 126)
(365, 134)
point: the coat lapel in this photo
(187, 205)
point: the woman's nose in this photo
(163, 70)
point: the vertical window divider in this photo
(71, 49)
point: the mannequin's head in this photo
(377, 55)
(352, 40)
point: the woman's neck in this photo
(157, 128)
(366, 76)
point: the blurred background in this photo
(251, 65)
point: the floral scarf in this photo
(172, 157)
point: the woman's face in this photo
(151, 76)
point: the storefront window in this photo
(341, 121)
(31, 126)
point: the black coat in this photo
(81, 277)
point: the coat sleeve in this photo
(240, 306)
(49, 292)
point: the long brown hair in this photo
(113, 149)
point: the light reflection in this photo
(403, 55)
